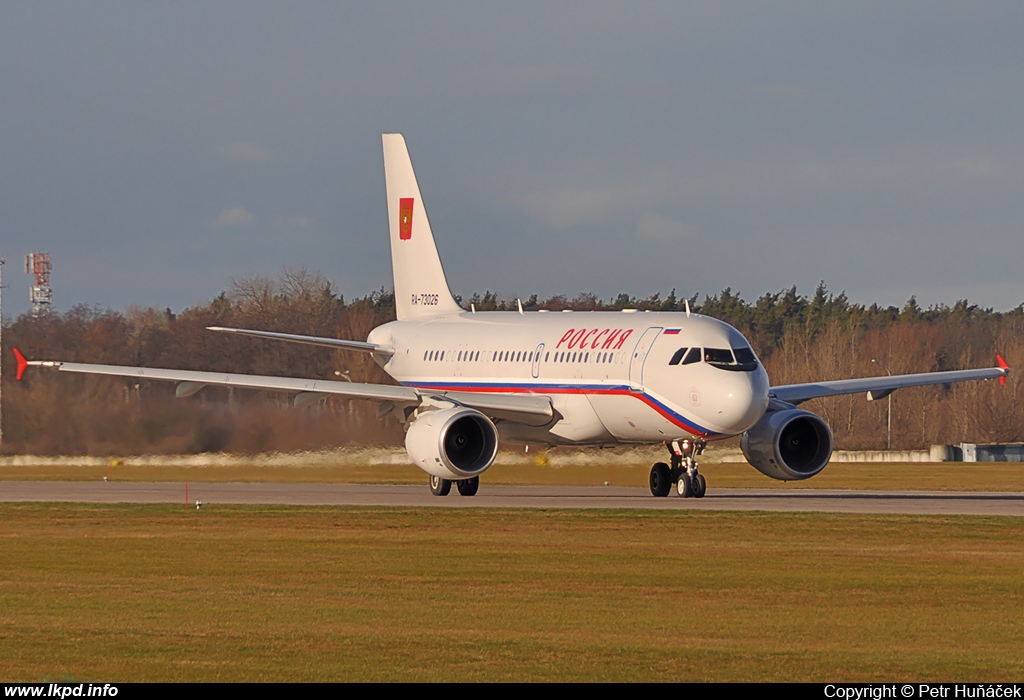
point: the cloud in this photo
(243, 151)
(294, 222)
(234, 216)
(562, 206)
(653, 227)
(550, 80)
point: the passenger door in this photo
(636, 362)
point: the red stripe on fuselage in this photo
(691, 428)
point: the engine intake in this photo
(788, 445)
(454, 443)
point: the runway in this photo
(775, 500)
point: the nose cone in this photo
(741, 398)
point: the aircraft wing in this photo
(528, 409)
(192, 381)
(309, 340)
(880, 387)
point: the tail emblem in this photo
(405, 218)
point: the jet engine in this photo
(453, 443)
(788, 445)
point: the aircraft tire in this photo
(439, 486)
(700, 486)
(468, 487)
(684, 487)
(661, 479)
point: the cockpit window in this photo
(718, 356)
(735, 360)
(745, 356)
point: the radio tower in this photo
(40, 294)
(3, 260)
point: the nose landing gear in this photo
(683, 472)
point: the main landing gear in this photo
(442, 487)
(683, 472)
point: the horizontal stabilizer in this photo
(309, 340)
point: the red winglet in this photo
(22, 363)
(1002, 365)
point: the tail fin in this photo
(420, 285)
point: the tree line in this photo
(798, 338)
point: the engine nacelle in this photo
(454, 443)
(788, 445)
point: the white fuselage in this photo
(610, 375)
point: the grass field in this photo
(915, 476)
(121, 593)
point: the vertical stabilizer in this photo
(420, 285)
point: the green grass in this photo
(145, 593)
(976, 476)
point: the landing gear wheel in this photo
(661, 479)
(700, 487)
(468, 487)
(683, 487)
(439, 486)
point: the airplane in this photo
(467, 380)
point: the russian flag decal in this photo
(671, 331)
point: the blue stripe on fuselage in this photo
(664, 410)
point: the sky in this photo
(160, 150)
